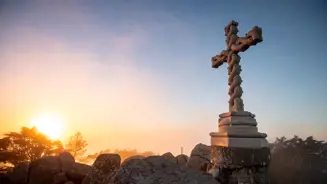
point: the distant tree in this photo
(76, 146)
(124, 153)
(148, 153)
(298, 161)
(89, 159)
(26, 146)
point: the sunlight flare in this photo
(49, 124)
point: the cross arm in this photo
(219, 59)
(251, 38)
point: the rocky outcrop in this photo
(44, 169)
(182, 159)
(107, 169)
(19, 175)
(170, 157)
(200, 158)
(79, 172)
(60, 178)
(156, 169)
(134, 157)
(49, 169)
(103, 169)
(67, 161)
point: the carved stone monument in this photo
(239, 153)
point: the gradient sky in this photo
(137, 74)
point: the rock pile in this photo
(60, 169)
(199, 158)
(107, 169)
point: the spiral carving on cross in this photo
(235, 45)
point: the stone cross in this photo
(235, 45)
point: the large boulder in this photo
(67, 161)
(19, 174)
(60, 178)
(182, 159)
(75, 174)
(200, 158)
(103, 168)
(156, 169)
(44, 169)
(134, 157)
(82, 168)
(49, 169)
(170, 157)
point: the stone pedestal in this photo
(239, 153)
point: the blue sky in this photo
(154, 58)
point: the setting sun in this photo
(50, 125)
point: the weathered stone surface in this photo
(236, 44)
(44, 169)
(134, 157)
(240, 165)
(157, 170)
(200, 158)
(82, 169)
(103, 169)
(233, 157)
(182, 159)
(78, 172)
(48, 169)
(75, 177)
(170, 157)
(19, 175)
(67, 161)
(60, 178)
(87, 179)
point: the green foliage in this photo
(298, 161)
(76, 146)
(26, 146)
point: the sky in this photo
(137, 73)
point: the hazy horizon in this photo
(137, 74)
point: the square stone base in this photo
(238, 129)
(240, 165)
(239, 153)
(238, 142)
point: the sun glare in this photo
(49, 124)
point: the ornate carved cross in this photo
(235, 45)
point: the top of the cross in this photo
(232, 25)
(232, 22)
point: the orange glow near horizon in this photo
(49, 124)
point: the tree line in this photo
(297, 160)
(293, 160)
(29, 145)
